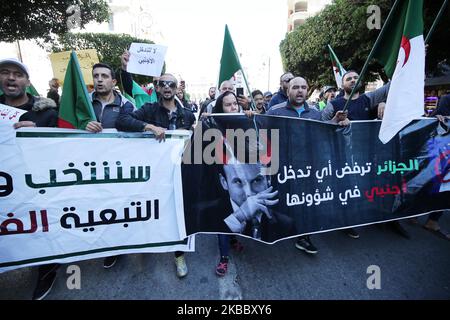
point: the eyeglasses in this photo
(287, 80)
(164, 83)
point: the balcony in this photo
(299, 16)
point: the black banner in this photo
(327, 177)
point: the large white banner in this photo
(67, 195)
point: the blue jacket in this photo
(40, 110)
(108, 116)
(278, 98)
(287, 110)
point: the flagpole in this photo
(366, 64)
(246, 85)
(248, 88)
(435, 22)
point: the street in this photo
(409, 269)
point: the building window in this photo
(301, 6)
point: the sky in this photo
(193, 31)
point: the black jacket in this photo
(54, 95)
(42, 111)
(155, 114)
(444, 106)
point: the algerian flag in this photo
(229, 63)
(338, 70)
(75, 110)
(140, 97)
(402, 52)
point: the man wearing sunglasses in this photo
(165, 114)
(281, 95)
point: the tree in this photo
(109, 47)
(343, 25)
(29, 19)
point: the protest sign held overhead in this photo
(146, 59)
(86, 58)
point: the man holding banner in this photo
(296, 106)
(107, 102)
(166, 114)
(362, 106)
(367, 106)
(14, 79)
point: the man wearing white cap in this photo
(14, 80)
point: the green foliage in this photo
(343, 25)
(109, 47)
(29, 19)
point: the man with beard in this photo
(296, 106)
(362, 106)
(166, 114)
(281, 95)
(367, 106)
(259, 101)
(14, 80)
(211, 98)
(41, 112)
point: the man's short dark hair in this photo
(347, 72)
(104, 65)
(256, 92)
